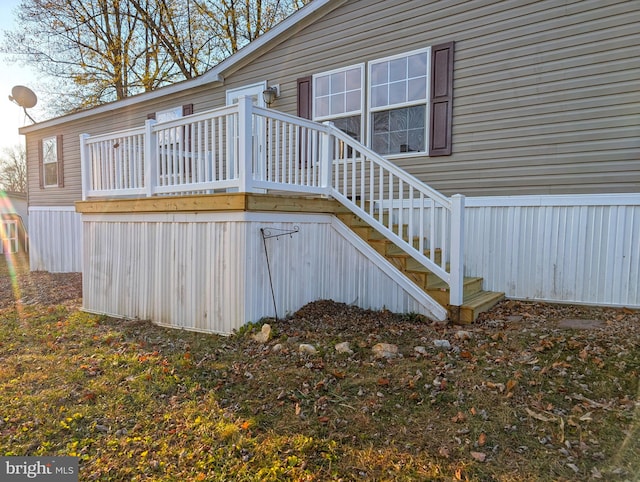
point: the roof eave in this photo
(279, 33)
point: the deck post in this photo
(86, 169)
(456, 285)
(245, 143)
(325, 159)
(150, 157)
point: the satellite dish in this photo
(23, 96)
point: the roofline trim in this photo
(213, 76)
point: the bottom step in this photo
(474, 305)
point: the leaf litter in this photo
(531, 391)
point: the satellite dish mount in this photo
(25, 98)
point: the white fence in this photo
(55, 239)
(574, 249)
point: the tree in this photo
(97, 51)
(13, 169)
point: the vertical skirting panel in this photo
(582, 249)
(55, 239)
(209, 272)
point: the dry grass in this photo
(517, 397)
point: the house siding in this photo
(545, 92)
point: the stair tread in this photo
(481, 297)
(440, 285)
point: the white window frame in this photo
(371, 110)
(50, 157)
(351, 113)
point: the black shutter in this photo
(187, 109)
(60, 156)
(304, 98)
(441, 103)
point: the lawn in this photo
(531, 392)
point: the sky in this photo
(11, 116)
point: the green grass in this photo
(138, 402)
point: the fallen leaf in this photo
(511, 384)
(482, 439)
(383, 382)
(479, 456)
(539, 416)
(459, 417)
(323, 419)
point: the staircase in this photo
(475, 301)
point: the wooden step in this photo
(475, 300)
(439, 290)
(478, 303)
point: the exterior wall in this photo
(545, 92)
(572, 249)
(55, 239)
(208, 272)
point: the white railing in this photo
(247, 148)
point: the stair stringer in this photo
(432, 308)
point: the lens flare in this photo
(9, 245)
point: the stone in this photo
(385, 350)
(344, 348)
(442, 344)
(277, 348)
(420, 350)
(463, 335)
(264, 334)
(307, 349)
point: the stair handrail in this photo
(361, 200)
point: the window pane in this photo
(379, 96)
(322, 106)
(416, 140)
(398, 69)
(353, 101)
(380, 73)
(418, 65)
(49, 150)
(338, 82)
(350, 125)
(381, 143)
(51, 174)
(417, 89)
(322, 85)
(353, 79)
(399, 130)
(337, 104)
(381, 122)
(398, 92)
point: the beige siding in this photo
(545, 92)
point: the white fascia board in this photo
(273, 37)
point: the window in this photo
(338, 97)
(50, 161)
(398, 89)
(410, 101)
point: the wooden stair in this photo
(475, 301)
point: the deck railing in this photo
(251, 149)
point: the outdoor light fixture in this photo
(270, 94)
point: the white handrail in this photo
(247, 148)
